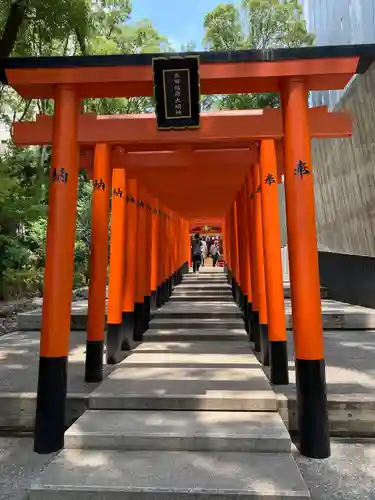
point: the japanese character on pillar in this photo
(118, 192)
(301, 169)
(269, 180)
(99, 184)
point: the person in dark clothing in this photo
(196, 251)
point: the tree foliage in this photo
(255, 24)
(26, 21)
(55, 27)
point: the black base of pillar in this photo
(94, 361)
(138, 321)
(153, 300)
(127, 331)
(159, 297)
(241, 299)
(229, 276)
(264, 345)
(114, 344)
(250, 315)
(256, 331)
(146, 312)
(170, 286)
(312, 408)
(279, 374)
(50, 405)
(164, 292)
(245, 313)
(233, 283)
(236, 293)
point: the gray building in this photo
(339, 22)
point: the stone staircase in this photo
(188, 414)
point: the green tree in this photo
(24, 171)
(255, 24)
(52, 19)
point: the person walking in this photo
(215, 252)
(203, 251)
(196, 251)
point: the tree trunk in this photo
(13, 24)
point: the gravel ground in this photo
(348, 475)
(19, 467)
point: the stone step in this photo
(204, 387)
(204, 279)
(206, 276)
(179, 430)
(335, 316)
(169, 475)
(205, 309)
(211, 293)
(193, 354)
(198, 323)
(179, 297)
(204, 287)
(201, 291)
(177, 334)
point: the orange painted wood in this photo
(301, 226)
(58, 274)
(272, 243)
(99, 244)
(216, 78)
(233, 128)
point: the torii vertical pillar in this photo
(131, 230)
(272, 264)
(139, 307)
(148, 258)
(98, 264)
(58, 275)
(304, 274)
(258, 236)
(255, 313)
(116, 267)
(245, 258)
(155, 253)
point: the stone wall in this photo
(344, 176)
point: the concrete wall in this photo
(348, 278)
(344, 176)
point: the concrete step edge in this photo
(169, 475)
(179, 430)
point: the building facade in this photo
(339, 22)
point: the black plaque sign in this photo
(177, 92)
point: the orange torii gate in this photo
(292, 72)
(166, 174)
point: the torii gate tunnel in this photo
(224, 173)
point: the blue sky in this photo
(181, 21)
